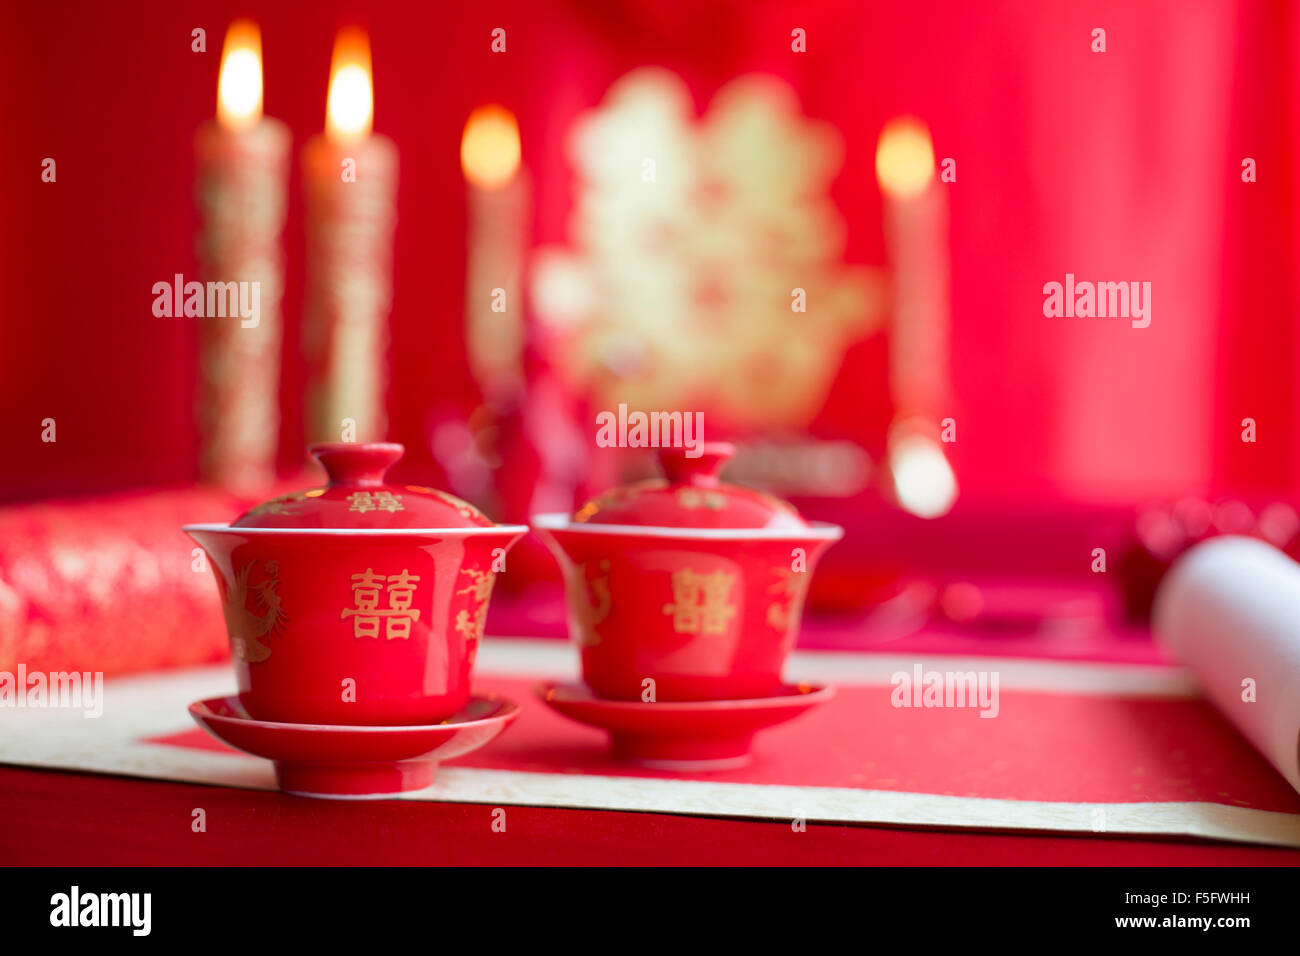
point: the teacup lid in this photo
(690, 496)
(357, 497)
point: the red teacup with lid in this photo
(685, 588)
(358, 602)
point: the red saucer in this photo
(683, 735)
(355, 762)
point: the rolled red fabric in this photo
(110, 584)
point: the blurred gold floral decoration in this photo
(693, 244)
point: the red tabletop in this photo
(56, 818)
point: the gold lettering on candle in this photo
(243, 168)
(350, 223)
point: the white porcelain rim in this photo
(817, 530)
(354, 532)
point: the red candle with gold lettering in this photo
(350, 182)
(242, 166)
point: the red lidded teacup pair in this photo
(363, 603)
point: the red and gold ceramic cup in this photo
(359, 602)
(685, 588)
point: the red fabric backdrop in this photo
(1119, 166)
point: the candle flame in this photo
(489, 148)
(350, 106)
(905, 158)
(924, 482)
(239, 87)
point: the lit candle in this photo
(242, 170)
(350, 180)
(915, 223)
(497, 203)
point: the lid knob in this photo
(700, 471)
(351, 463)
